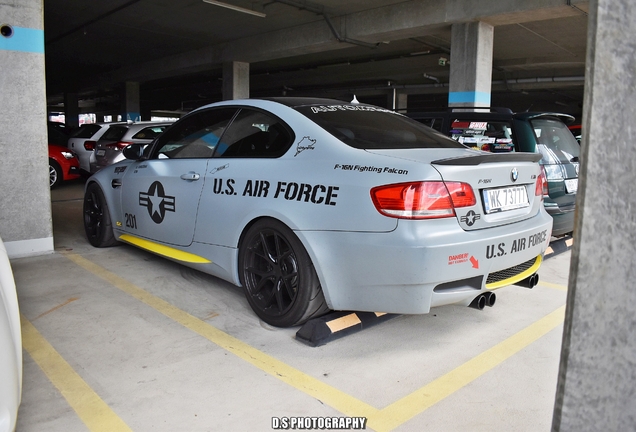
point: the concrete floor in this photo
(119, 339)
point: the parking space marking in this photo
(384, 419)
(552, 285)
(90, 408)
(427, 396)
(327, 394)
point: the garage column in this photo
(131, 109)
(236, 80)
(471, 64)
(598, 358)
(71, 110)
(25, 213)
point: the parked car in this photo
(83, 142)
(117, 136)
(58, 133)
(317, 204)
(500, 130)
(10, 346)
(576, 131)
(63, 165)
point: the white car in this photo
(317, 204)
(10, 346)
(83, 142)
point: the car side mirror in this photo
(134, 151)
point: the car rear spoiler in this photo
(490, 158)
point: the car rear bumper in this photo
(418, 265)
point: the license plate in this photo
(571, 185)
(503, 199)
(100, 152)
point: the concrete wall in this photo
(597, 377)
(25, 209)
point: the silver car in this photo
(117, 136)
(318, 204)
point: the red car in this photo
(63, 165)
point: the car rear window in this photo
(86, 131)
(149, 132)
(486, 135)
(115, 133)
(369, 127)
(555, 142)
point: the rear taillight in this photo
(541, 189)
(422, 200)
(118, 145)
(90, 145)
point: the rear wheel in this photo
(278, 277)
(97, 223)
(55, 174)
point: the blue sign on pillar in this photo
(133, 116)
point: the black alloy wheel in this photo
(97, 223)
(278, 277)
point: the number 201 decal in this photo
(131, 221)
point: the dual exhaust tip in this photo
(489, 298)
(483, 300)
(530, 281)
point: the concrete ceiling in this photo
(175, 49)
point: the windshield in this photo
(555, 142)
(369, 127)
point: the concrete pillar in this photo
(236, 80)
(25, 213)
(131, 109)
(71, 110)
(597, 375)
(470, 64)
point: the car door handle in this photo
(191, 176)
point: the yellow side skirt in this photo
(517, 278)
(166, 251)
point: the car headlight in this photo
(68, 155)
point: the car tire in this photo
(278, 277)
(55, 174)
(97, 222)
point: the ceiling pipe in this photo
(319, 10)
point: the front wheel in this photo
(97, 222)
(278, 277)
(55, 174)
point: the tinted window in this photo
(368, 127)
(492, 136)
(86, 131)
(255, 134)
(555, 142)
(114, 133)
(194, 136)
(150, 133)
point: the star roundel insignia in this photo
(470, 218)
(157, 202)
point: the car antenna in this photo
(355, 100)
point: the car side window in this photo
(151, 132)
(255, 134)
(195, 136)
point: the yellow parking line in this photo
(427, 396)
(327, 394)
(380, 420)
(552, 285)
(90, 408)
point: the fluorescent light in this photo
(235, 8)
